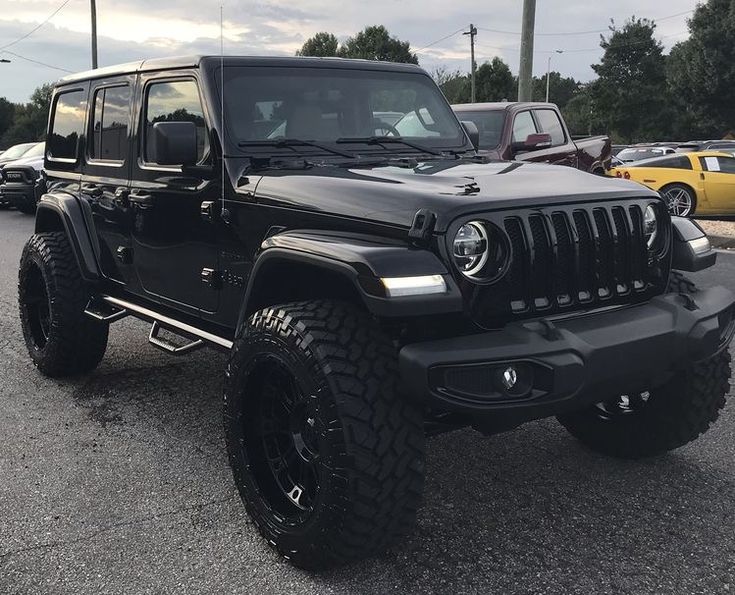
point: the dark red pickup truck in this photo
(534, 132)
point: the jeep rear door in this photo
(173, 245)
(106, 172)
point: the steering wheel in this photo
(378, 124)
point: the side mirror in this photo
(538, 140)
(472, 132)
(174, 143)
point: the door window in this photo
(550, 124)
(725, 165)
(67, 126)
(108, 140)
(175, 101)
(523, 125)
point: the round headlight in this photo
(470, 248)
(650, 225)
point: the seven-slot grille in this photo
(570, 258)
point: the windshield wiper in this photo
(383, 140)
(292, 143)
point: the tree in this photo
(495, 82)
(454, 84)
(631, 86)
(375, 43)
(7, 114)
(561, 89)
(701, 73)
(29, 120)
(580, 113)
(322, 45)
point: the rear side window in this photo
(671, 163)
(550, 124)
(489, 125)
(175, 101)
(110, 122)
(67, 125)
(523, 126)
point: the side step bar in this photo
(123, 309)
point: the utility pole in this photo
(94, 33)
(472, 32)
(525, 71)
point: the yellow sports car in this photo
(701, 183)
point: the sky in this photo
(134, 29)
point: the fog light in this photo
(510, 377)
(514, 380)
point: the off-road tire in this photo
(370, 438)
(73, 342)
(675, 414)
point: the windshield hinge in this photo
(422, 226)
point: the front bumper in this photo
(19, 194)
(572, 362)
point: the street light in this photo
(548, 73)
(4, 61)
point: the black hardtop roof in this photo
(273, 61)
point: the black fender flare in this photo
(362, 260)
(63, 207)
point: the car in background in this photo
(527, 131)
(15, 152)
(706, 145)
(23, 181)
(641, 152)
(699, 183)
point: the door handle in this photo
(206, 210)
(92, 189)
(121, 197)
(142, 200)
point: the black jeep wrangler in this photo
(329, 224)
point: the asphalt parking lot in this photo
(118, 483)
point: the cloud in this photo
(136, 29)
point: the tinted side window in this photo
(175, 101)
(727, 164)
(110, 121)
(672, 163)
(67, 125)
(550, 124)
(523, 125)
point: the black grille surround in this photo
(570, 258)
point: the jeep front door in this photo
(173, 245)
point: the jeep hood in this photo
(391, 194)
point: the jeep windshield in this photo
(343, 109)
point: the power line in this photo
(439, 40)
(36, 61)
(36, 28)
(590, 32)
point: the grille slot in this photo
(567, 258)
